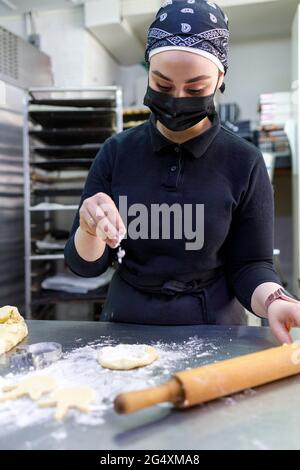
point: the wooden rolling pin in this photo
(195, 386)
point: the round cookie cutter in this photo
(36, 355)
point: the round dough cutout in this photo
(126, 356)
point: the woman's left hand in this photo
(283, 315)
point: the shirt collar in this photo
(197, 146)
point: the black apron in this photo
(207, 300)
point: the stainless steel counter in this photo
(267, 418)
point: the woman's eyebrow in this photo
(156, 72)
(192, 80)
(196, 79)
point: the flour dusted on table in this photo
(79, 368)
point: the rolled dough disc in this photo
(126, 356)
(13, 328)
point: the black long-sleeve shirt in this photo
(218, 169)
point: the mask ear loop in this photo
(223, 86)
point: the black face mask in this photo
(179, 114)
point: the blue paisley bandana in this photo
(199, 26)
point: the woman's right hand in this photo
(100, 217)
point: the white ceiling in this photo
(250, 21)
(23, 6)
(262, 18)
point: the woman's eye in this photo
(195, 92)
(164, 88)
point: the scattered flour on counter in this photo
(260, 445)
(59, 435)
(80, 367)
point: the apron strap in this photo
(171, 286)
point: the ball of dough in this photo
(13, 328)
(126, 356)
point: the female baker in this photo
(193, 200)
